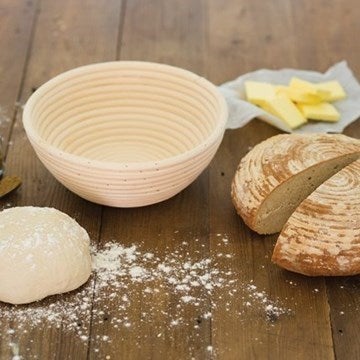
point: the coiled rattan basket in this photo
(126, 133)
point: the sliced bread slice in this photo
(322, 236)
(279, 173)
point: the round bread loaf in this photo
(279, 173)
(42, 252)
(322, 236)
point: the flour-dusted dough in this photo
(42, 252)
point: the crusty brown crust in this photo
(275, 160)
(322, 237)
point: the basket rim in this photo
(38, 141)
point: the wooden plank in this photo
(272, 35)
(163, 228)
(305, 331)
(16, 22)
(337, 42)
(274, 314)
(318, 44)
(170, 32)
(74, 35)
(345, 304)
(67, 35)
(154, 322)
(343, 293)
(242, 37)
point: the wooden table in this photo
(218, 40)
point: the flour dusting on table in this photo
(127, 278)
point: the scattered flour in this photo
(4, 118)
(128, 278)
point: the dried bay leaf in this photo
(8, 184)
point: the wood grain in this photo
(16, 25)
(16, 22)
(299, 334)
(158, 229)
(343, 295)
(163, 34)
(63, 38)
(219, 40)
(174, 37)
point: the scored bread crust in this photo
(276, 161)
(322, 237)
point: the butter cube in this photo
(298, 95)
(286, 110)
(322, 111)
(336, 91)
(258, 92)
(309, 88)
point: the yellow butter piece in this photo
(283, 108)
(309, 88)
(322, 112)
(298, 94)
(258, 92)
(336, 91)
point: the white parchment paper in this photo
(241, 111)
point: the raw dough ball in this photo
(42, 252)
